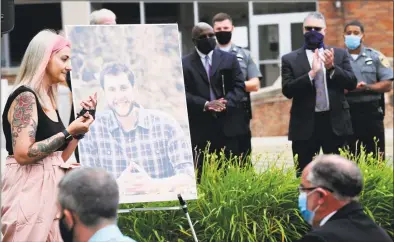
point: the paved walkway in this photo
(268, 149)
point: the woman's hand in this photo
(90, 103)
(81, 124)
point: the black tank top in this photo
(45, 126)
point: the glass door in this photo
(271, 37)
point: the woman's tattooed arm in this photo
(24, 128)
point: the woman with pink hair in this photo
(37, 142)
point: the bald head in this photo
(337, 173)
(201, 29)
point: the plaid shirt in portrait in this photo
(157, 144)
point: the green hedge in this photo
(244, 205)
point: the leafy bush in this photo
(240, 204)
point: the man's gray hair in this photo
(91, 193)
(97, 17)
(198, 28)
(316, 15)
(337, 173)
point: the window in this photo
(29, 20)
(180, 13)
(289, 7)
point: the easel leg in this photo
(184, 207)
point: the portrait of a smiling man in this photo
(145, 149)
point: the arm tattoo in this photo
(43, 148)
(22, 116)
(33, 131)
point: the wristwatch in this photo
(67, 135)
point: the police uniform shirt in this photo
(370, 66)
(248, 67)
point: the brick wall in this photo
(375, 15)
(271, 115)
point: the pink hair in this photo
(32, 74)
(57, 45)
(60, 43)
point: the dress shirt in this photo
(309, 54)
(326, 218)
(110, 233)
(202, 58)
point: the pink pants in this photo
(29, 210)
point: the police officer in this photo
(223, 27)
(374, 76)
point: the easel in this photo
(182, 206)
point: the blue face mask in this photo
(303, 206)
(352, 42)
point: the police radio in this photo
(7, 16)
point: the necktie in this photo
(208, 70)
(321, 95)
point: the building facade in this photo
(269, 29)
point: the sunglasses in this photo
(310, 28)
(301, 188)
(204, 36)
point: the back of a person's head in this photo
(35, 61)
(91, 193)
(337, 173)
(102, 16)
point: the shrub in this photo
(240, 204)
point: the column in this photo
(75, 12)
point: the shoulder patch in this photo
(384, 60)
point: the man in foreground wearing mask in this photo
(88, 200)
(223, 27)
(375, 76)
(214, 86)
(329, 189)
(316, 81)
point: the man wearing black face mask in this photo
(316, 81)
(214, 86)
(223, 27)
(88, 200)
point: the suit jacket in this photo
(348, 224)
(225, 69)
(296, 85)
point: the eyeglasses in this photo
(310, 28)
(204, 36)
(301, 188)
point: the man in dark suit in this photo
(315, 77)
(214, 86)
(329, 189)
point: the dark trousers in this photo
(217, 142)
(368, 130)
(322, 137)
(245, 145)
